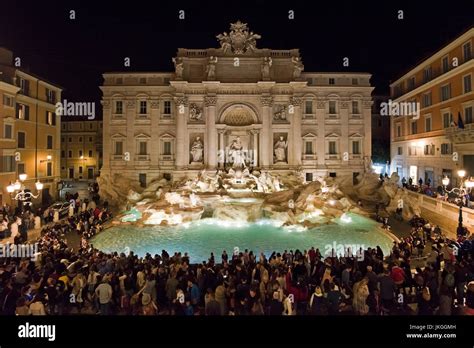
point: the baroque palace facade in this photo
(236, 106)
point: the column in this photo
(210, 104)
(344, 139)
(266, 143)
(321, 140)
(296, 147)
(155, 133)
(107, 151)
(255, 147)
(181, 131)
(221, 156)
(130, 145)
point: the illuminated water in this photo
(202, 237)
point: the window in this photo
(355, 107)
(445, 64)
(412, 150)
(90, 125)
(355, 81)
(22, 112)
(399, 130)
(427, 123)
(467, 86)
(332, 107)
(21, 140)
(118, 107)
(8, 133)
(167, 148)
(142, 179)
(63, 153)
(142, 107)
(427, 74)
(429, 150)
(49, 142)
(24, 86)
(80, 139)
(8, 164)
(414, 127)
(332, 174)
(69, 154)
(400, 151)
(90, 153)
(332, 81)
(466, 50)
(447, 119)
(468, 115)
(70, 139)
(309, 148)
(50, 118)
(356, 147)
(118, 147)
(50, 96)
(80, 170)
(309, 177)
(411, 83)
(445, 92)
(7, 100)
(332, 148)
(21, 168)
(427, 99)
(167, 107)
(142, 148)
(49, 169)
(445, 149)
(308, 107)
(90, 139)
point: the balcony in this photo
(461, 135)
(142, 158)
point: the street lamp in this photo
(21, 194)
(461, 192)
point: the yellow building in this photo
(81, 149)
(431, 143)
(29, 130)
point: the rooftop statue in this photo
(239, 40)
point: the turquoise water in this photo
(202, 237)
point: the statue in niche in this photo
(197, 150)
(178, 66)
(280, 150)
(195, 113)
(236, 153)
(280, 114)
(211, 68)
(298, 67)
(267, 63)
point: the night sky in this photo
(74, 53)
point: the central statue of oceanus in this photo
(239, 40)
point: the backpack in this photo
(449, 280)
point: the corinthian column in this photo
(210, 104)
(266, 143)
(296, 147)
(182, 111)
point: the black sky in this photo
(74, 53)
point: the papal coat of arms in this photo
(239, 40)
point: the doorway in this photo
(71, 173)
(90, 173)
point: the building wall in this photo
(222, 102)
(446, 143)
(81, 138)
(37, 126)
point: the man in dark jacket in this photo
(387, 289)
(212, 306)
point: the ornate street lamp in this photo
(461, 192)
(21, 194)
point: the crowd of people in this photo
(65, 280)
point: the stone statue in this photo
(195, 113)
(178, 66)
(225, 41)
(280, 115)
(236, 153)
(280, 150)
(267, 63)
(211, 68)
(252, 41)
(298, 67)
(197, 150)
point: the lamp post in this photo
(21, 195)
(461, 192)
